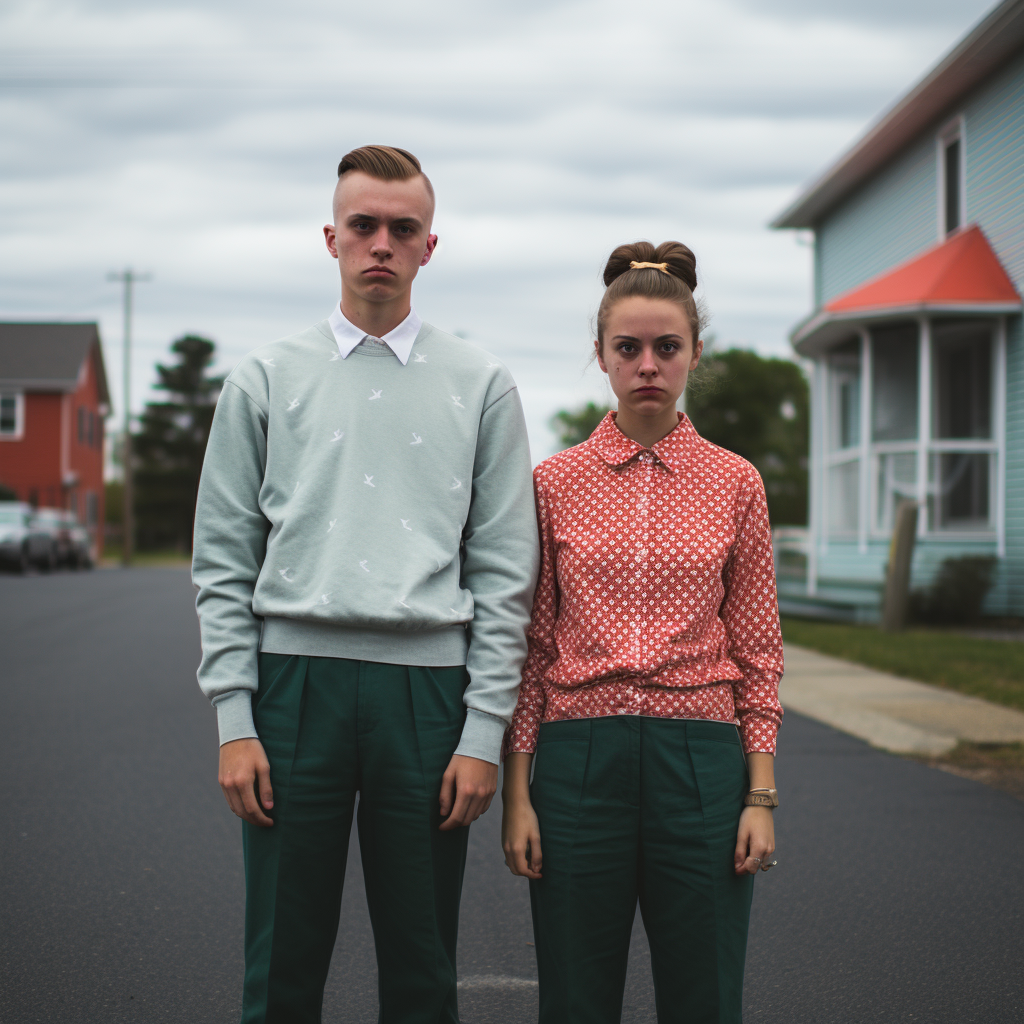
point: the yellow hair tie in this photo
(663, 267)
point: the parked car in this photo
(70, 539)
(23, 541)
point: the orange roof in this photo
(963, 269)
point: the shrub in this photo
(957, 592)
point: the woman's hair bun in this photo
(680, 259)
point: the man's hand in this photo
(467, 787)
(244, 768)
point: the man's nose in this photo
(381, 244)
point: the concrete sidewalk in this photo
(891, 713)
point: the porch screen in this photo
(894, 362)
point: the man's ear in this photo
(331, 238)
(429, 251)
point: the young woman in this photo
(655, 633)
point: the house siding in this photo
(994, 117)
(889, 219)
(1009, 592)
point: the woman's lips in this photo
(647, 391)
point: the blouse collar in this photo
(616, 449)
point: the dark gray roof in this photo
(992, 42)
(48, 357)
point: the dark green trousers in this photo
(641, 809)
(332, 728)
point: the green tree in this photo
(169, 447)
(574, 426)
(758, 408)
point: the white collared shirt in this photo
(400, 340)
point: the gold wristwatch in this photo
(762, 798)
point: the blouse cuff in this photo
(758, 733)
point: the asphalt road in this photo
(898, 897)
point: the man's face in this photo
(381, 234)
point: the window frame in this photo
(19, 416)
(954, 130)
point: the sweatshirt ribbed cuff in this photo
(234, 716)
(482, 736)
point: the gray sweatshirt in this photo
(359, 508)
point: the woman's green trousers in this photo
(639, 809)
(332, 728)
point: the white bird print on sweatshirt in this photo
(376, 394)
(337, 355)
(457, 399)
(420, 358)
(457, 485)
(362, 565)
(417, 439)
(295, 404)
(283, 573)
(489, 363)
(401, 601)
(405, 523)
(368, 480)
(338, 435)
(297, 484)
(325, 598)
(268, 362)
(331, 527)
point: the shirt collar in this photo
(616, 449)
(400, 340)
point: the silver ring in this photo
(757, 860)
(770, 864)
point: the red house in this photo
(53, 399)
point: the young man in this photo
(365, 558)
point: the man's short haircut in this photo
(385, 163)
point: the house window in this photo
(844, 373)
(896, 480)
(962, 397)
(12, 416)
(958, 491)
(951, 178)
(894, 359)
(844, 508)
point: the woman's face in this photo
(648, 353)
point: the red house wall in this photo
(50, 450)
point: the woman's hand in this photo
(520, 830)
(520, 837)
(755, 840)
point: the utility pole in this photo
(127, 277)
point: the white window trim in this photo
(19, 415)
(954, 129)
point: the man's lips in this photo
(383, 271)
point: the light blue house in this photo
(916, 341)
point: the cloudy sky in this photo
(199, 142)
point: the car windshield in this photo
(11, 516)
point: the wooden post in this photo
(897, 578)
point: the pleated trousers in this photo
(332, 728)
(641, 810)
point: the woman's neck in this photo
(647, 430)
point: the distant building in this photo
(53, 400)
(916, 339)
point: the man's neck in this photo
(375, 318)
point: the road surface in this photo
(899, 893)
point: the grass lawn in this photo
(146, 559)
(992, 669)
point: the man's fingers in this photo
(263, 785)
(447, 797)
(536, 858)
(234, 800)
(253, 814)
(458, 816)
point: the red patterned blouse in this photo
(657, 589)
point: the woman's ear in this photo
(600, 358)
(698, 351)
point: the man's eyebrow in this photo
(413, 221)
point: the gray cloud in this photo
(200, 142)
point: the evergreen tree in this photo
(758, 408)
(169, 447)
(574, 426)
